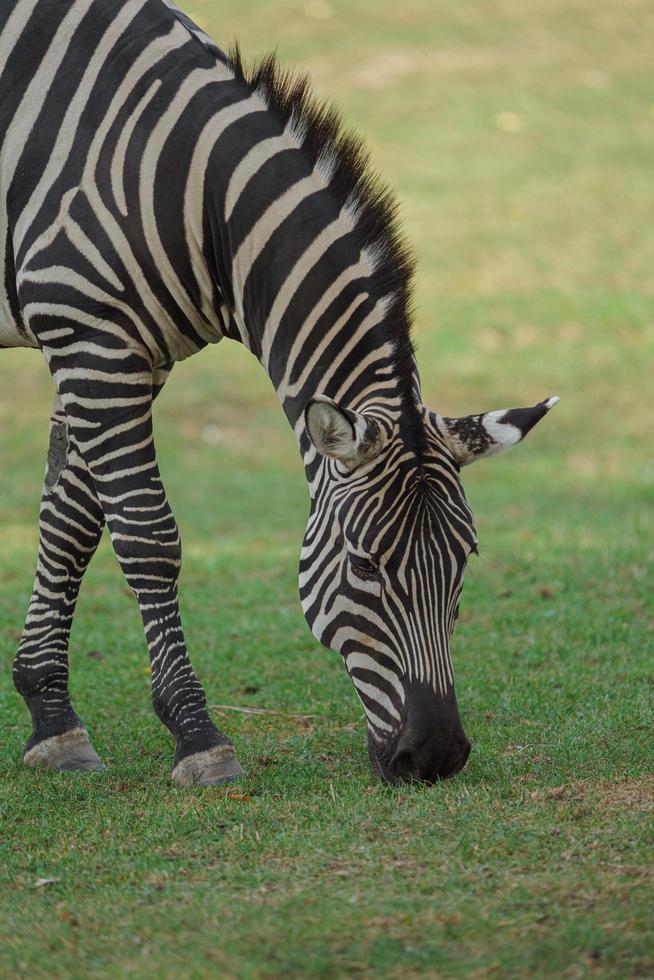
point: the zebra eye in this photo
(364, 567)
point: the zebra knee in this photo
(150, 564)
(35, 675)
(23, 676)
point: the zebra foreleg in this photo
(112, 424)
(70, 527)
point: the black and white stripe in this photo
(156, 197)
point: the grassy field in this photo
(519, 137)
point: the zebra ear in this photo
(350, 437)
(472, 437)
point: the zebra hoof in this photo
(210, 768)
(70, 752)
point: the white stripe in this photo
(251, 164)
(67, 130)
(17, 133)
(254, 243)
(194, 197)
(362, 661)
(118, 159)
(194, 82)
(305, 263)
(16, 22)
(91, 252)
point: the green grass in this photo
(535, 250)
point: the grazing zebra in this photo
(157, 197)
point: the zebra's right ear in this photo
(350, 437)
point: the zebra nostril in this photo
(416, 762)
(429, 763)
(404, 764)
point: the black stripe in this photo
(10, 285)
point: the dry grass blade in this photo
(246, 710)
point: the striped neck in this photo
(304, 250)
(306, 300)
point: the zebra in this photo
(158, 196)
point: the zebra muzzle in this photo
(431, 745)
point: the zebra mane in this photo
(319, 127)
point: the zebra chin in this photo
(431, 744)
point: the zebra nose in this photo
(442, 756)
(432, 744)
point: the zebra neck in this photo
(351, 359)
(319, 328)
(299, 277)
(305, 300)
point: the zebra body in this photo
(100, 202)
(154, 198)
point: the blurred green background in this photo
(519, 137)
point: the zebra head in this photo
(381, 572)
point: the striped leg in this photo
(111, 419)
(70, 527)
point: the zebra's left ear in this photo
(472, 437)
(350, 437)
